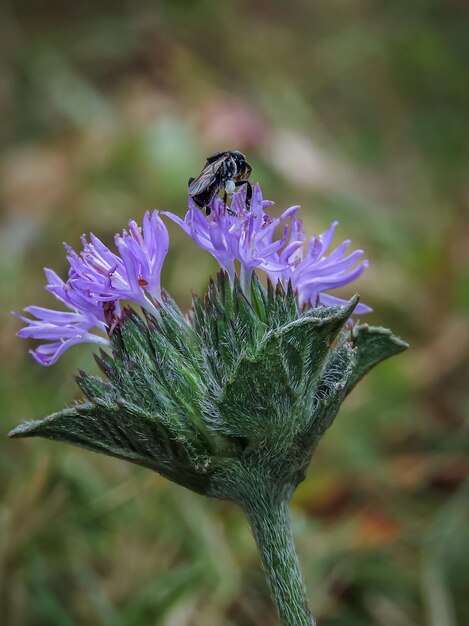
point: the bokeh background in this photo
(358, 111)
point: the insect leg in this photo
(248, 195)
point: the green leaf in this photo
(282, 307)
(95, 388)
(333, 388)
(134, 341)
(271, 393)
(373, 345)
(124, 431)
(227, 325)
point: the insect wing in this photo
(206, 178)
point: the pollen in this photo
(230, 187)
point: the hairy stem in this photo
(270, 523)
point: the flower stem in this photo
(270, 523)
(245, 281)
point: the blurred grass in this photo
(356, 110)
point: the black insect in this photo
(223, 170)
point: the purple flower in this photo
(236, 233)
(143, 251)
(312, 271)
(98, 279)
(62, 329)
(100, 274)
(72, 298)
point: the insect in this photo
(223, 170)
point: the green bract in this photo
(238, 389)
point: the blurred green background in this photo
(358, 111)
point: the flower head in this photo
(143, 251)
(238, 232)
(312, 271)
(99, 273)
(246, 234)
(98, 280)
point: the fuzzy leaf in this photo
(271, 393)
(227, 325)
(281, 305)
(163, 374)
(121, 430)
(95, 388)
(373, 345)
(333, 388)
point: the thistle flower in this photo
(238, 233)
(311, 271)
(231, 400)
(98, 280)
(101, 274)
(143, 252)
